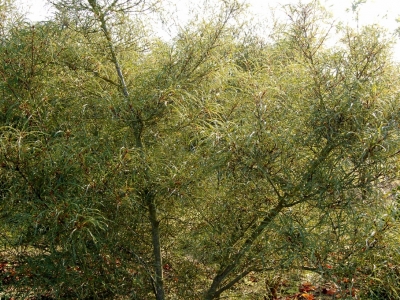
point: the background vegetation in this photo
(219, 163)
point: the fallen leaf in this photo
(306, 287)
(354, 292)
(307, 296)
(253, 278)
(329, 292)
(167, 267)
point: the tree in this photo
(309, 158)
(187, 165)
(136, 110)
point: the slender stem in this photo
(107, 34)
(137, 125)
(155, 234)
(213, 291)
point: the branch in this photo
(270, 181)
(232, 282)
(211, 293)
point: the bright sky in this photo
(382, 12)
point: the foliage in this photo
(135, 167)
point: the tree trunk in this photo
(215, 290)
(155, 235)
(137, 128)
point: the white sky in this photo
(382, 12)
